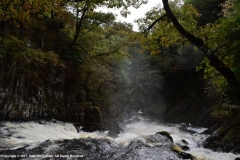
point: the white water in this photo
(33, 133)
(143, 127)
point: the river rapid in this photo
(138, 140)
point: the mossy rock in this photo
(92, 118)
(227, 137)
(97, 113)
(175, 148)
(92, 114)
(231, 134)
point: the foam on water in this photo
(144, 128)
(198, 130)
(206, 154)
(141, 128)
(30, 133)
(18, 135)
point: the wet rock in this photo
(137, 149)
(185, 148)
(227, 137)
(164, 133)
(158, 139)
(156, 147)
(114, 128)
(236, 150)
(176, 148)
(181, 152)
(212, 128)
(184, 142)
(92, 118)
(184, 145)
(78, 127)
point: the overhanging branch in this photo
(220, 66)
(146, 31)
(193, 39)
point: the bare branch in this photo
(79, 24)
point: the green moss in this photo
(181, 153)
(176, 148)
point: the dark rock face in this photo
(185, 96)
(153, 147)
(92, 119)
(184, 91)
(226, 137)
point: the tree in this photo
(84, 8)
(201, 41)
(210, 10)
(55, 62)
(158, 27)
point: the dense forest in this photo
(67, 60)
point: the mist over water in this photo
(16, 135)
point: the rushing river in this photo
(21, 137)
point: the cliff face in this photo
(44, 86)
(225, 135)
(186, 99)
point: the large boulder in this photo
(92, 118)
(152, 147)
